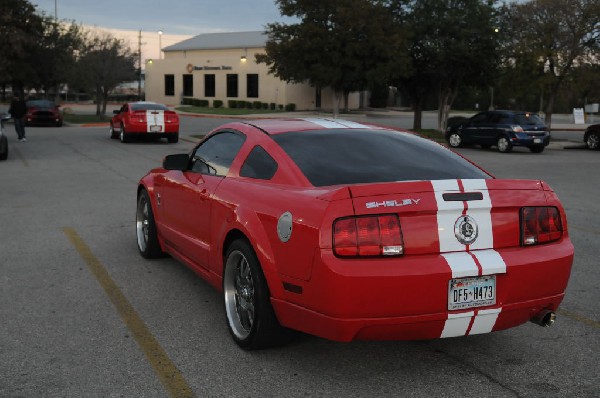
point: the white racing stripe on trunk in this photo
(447, 214)
(485, 321)
(491, 262)
(480, 210)
(457, 324)
(155, 118)
(461, 264)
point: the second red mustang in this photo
(144, 119)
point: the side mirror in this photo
(176, 162)
(116, 112)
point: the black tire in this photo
(454, 140)
(592, 141)
(113, 133)
(248, 311)
(173, 138)
(123, 136)
(504, 144)
(145, 228)
(537, 148)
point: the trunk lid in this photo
(452, 215)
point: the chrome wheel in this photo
(504, 144)
(454, 140)
(238, 285)
(593, 141)
(142, 222)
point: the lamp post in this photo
(160, 33)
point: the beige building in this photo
(222, 66)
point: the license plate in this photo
(471, 292)
(537, 140)
(155, 129)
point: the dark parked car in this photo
(43, 112)
(3, 139)
(503, 129)
(592, 137)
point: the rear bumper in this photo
(407, 298)
(529, 141)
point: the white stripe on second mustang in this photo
(464, 261)
(155, 118)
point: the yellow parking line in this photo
(166, 370)
(20, 156)
(583, 229)
(579, 318)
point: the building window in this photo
(232, 86)
(209, 85)
(188, 85)
(169, 85)
(252, 86)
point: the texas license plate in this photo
(537, 140)
(471, 292)
(155, 129)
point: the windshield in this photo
(353, 156)
(40, 104)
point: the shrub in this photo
(248, 104)
(272, 106)
(265, 105)
(196, 102)
(232, 104)
(203, 103)
(241, 104)
(187, 101)
(217, 103)
(256, 104)
(280, 107)
(290, 107)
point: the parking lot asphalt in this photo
(85, 316)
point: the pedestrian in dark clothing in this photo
(17, 111)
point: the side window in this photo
(479, 119)
(216, 154)
(495, 118)
(259, 164)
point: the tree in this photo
(20, 28)
(334, 45)
(53, 57)
(557, 36)
(103, 63)
(452, 44)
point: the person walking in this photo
(17, 111)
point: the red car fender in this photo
(147, 183)
(247, 222)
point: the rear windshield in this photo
(148, 107)
(40, 104)
(337, 156)
(528, 119)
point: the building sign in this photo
(191, 68)
(578, 116)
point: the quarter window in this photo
(215, 155)
(259, 164)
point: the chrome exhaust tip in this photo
(545, 318)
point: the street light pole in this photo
(160, 33)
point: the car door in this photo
(473, 129)
(187, 197)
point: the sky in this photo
(177, 19)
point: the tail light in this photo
(139, 116)
(170, 116)
(540, 225)
(368, 236)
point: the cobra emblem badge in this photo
(465, 230)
